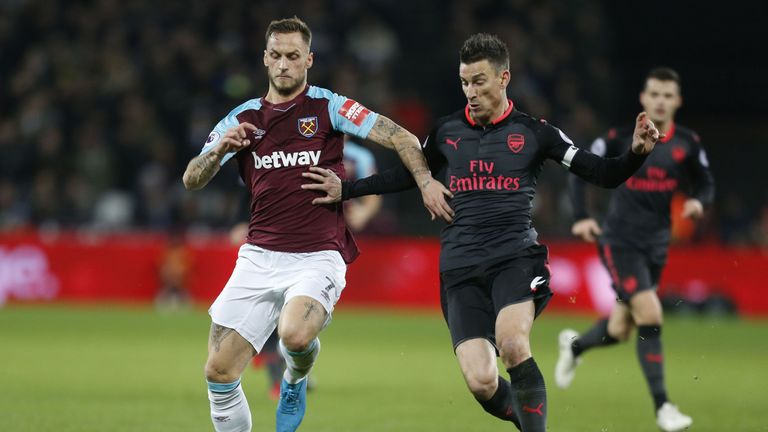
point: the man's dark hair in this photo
(290, 25)
(663, 73)
(484, 46)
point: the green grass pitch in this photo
(109, 368)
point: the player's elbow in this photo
(189, 183)
(404, 139)
(411, 138)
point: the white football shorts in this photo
(263, 281)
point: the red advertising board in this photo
(399, 272)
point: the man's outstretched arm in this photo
(389, 134)
(610, 172)
(396, 179)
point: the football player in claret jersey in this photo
(634, 237)
(494, 274)
(359, 162)
(291, 271)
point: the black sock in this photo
(594, 337)
(651, 359)
(529, 396)
(500, 404)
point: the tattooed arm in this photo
(202, 168)
(391, 135)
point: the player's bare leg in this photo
(620, 323)
(477, 360)
(301, 321)
(513, 329)
(228, 356)
(647, 314)
(617, 328)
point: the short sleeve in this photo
(351, 117)
(223, 125)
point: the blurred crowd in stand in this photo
(103, 102)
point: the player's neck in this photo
(274, 97)
(496, 113)
(665, 127)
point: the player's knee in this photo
(514, 350)
(219, 373)
(648, 316)
(297, 340)
(482, 384)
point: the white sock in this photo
(229, 408)
(298, 364)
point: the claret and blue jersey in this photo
(289, 137)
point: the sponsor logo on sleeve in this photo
(214, 136)
(598, 147)
(354, 112)
(703, 158)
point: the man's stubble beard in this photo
(286, 91)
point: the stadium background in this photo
(102, 103)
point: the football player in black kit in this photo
(494, 275)
(634, 237)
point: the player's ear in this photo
(310, 59)
(265, 58)
(505, 77)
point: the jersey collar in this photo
(669, 135)
(498, 119)
(285, 106)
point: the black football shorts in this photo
(632, 270)
(471, 297)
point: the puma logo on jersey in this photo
(453, 143)
(538, 280)
(280, 159)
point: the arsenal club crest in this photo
(678, 154)
(516, 142)
(308, 126)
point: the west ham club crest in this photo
(308, 126)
